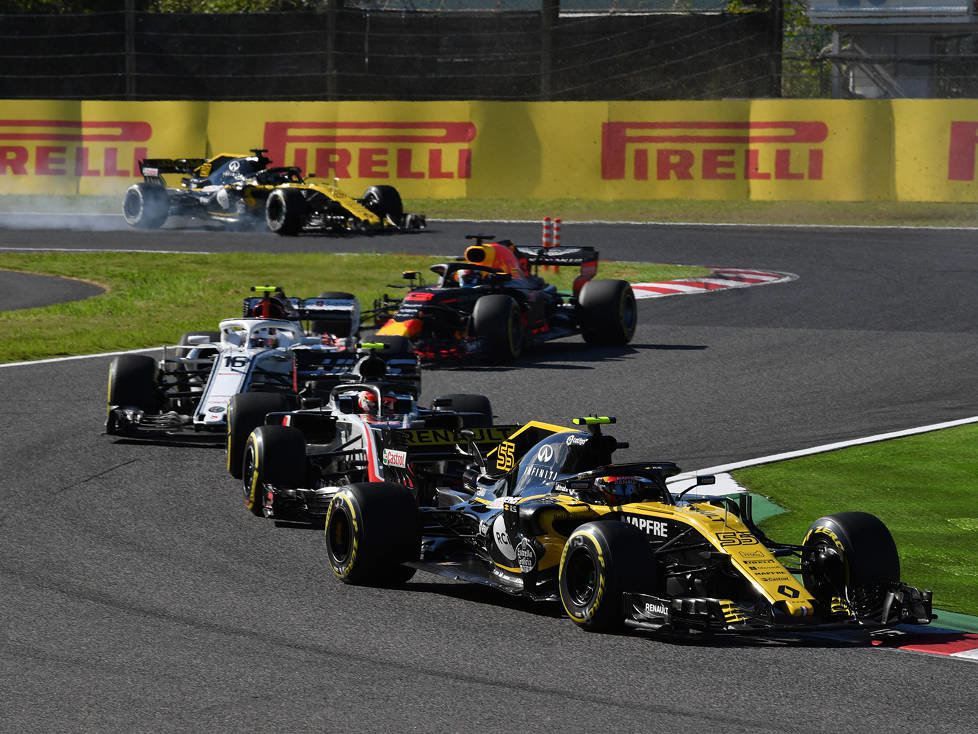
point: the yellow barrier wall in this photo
(911, 150)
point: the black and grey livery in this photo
(369, 428)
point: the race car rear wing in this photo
(154, 168)
(335, 316)
(559, 255)
(533, 256)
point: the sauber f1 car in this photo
(370, 429)
(243, 191)
(281, 347)
(492, 303)
(549, 517)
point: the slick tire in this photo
(247, 411)
(132, 382)
(498, 320)
(335, 328)
(600, 561)
(273, 455)
(371, 529)
(145, 206)
(477, 407)
(608, 313)
(851, 555)
(384, 201)
(285, 211)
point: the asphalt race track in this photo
(138, 594)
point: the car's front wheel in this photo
(273, 455)
(247, 411)
(850, 556)
(601, 561)
(498, 320)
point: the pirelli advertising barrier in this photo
(912, 150)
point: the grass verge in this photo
(922, 487)
(152, 298)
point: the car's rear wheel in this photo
(145, 206)
(247, 411)
(608, 312)
(600, 561)
(371, 530)
(273, 455)
(852, 556)
(285, 211)
(498, 321)
(384, 201)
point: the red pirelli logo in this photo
(378, 150)
(71, 147)
(686, 151)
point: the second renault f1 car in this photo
(551, 518)
(241, 190)
(491, 303)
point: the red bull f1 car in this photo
(547, 515)
(242, 191)
(492, 303)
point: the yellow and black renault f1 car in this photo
(243, 191)
(491, 304)
(551, 518)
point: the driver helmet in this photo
(620, 490)
(269, 307)
(367, 403)
(468, 278)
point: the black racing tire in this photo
(498, 321)
(608, 312)
(331, 327)
(132, 382)
(384, 201)
(600, 561)
(273, 455)
(146, 206)
(851, 555)
(247, 411)
(478, 406)
(371, 529)
(285, 211)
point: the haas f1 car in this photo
(492, 304)
(280, 348)
(369, 429)
(549, 517)
(244, 192)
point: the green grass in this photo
(889, 213)
(153, 298)
(924, 488)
